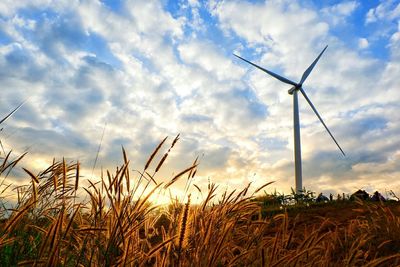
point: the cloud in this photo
(337, 14)
(209, 59)
(363, 43)
(386, 10)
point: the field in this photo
(118, 226)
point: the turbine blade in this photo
(282, 79)
(310, 68)
(319, 117)
(12, 112)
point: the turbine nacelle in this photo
(294, 88)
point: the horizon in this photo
(142, 71)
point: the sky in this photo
(151, 69)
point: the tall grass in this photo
(118, 225)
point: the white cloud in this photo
(210, 59)
(386, 10)
(345, 8)
(363, 43)
(152, 19)
(277, 22)
(338, 13)
(194, 3)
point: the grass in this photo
(118, 225)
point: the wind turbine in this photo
(296, 121)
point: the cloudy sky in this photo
(150, 69)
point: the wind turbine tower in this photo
(296, 87)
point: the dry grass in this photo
(118, 225)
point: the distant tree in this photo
(360, 194)
(377, 197)
(321, 198)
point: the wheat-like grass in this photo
(118, 225)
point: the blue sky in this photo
(155, 68)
